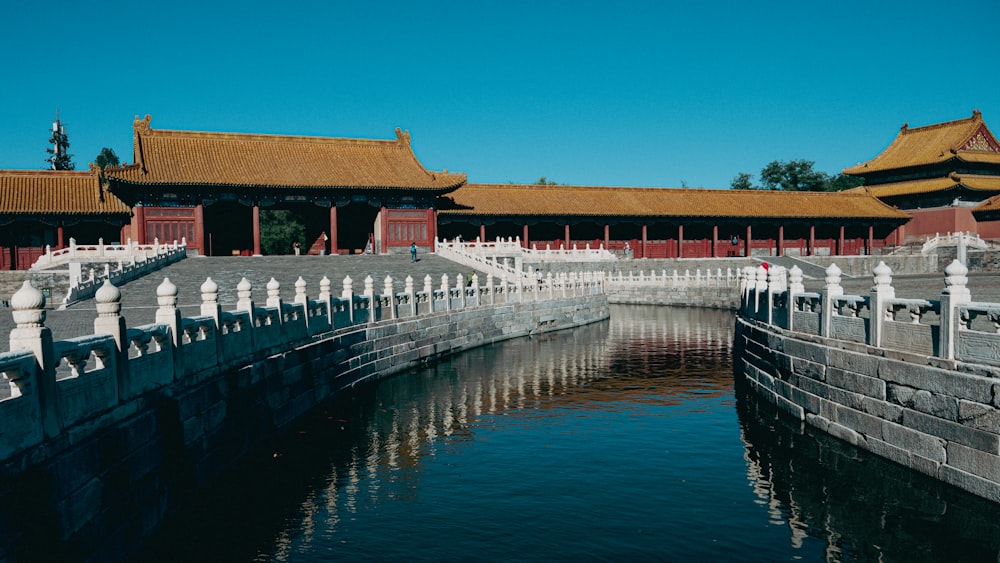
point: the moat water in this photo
(624, 440)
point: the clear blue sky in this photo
(602, 93)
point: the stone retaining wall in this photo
(708, 297)
(939, 417)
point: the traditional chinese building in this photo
(211, 187)
(671, 223)
(939, 174)
(40, 208)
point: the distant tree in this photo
(279, 231)
(842, 182)
(106, 158)
(59, 158)
(543, 181)
(742, 181)
(793, 176)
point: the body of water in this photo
(624, 440)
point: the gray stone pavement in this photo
(139, 296)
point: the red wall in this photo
(939, 220)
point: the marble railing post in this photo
(882, 291)
(429, 292)
(477, 298)
(795, 287)
(167, 313)
(274, 299)
(326, 297)
(302, 298)
(489, 289)
(244, 294)
(390, 294)
(831, 290)
(446, 292)
(760, 290)
(348, 295)
(953, 296)
(31, 334)
(460, 290)
(110, 321)
(370, 296)
(411, 296)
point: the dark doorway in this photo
(355, 225)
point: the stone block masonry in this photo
(103, 436)
(928, 402)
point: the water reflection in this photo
(862, 507)
(620, 440)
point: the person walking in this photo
(413, 252)
(297, 247)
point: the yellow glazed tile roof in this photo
(992, 204)
(164, 157)
(56, 192)
(963, 139)
(932, 185)
(520, 199)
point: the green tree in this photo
(793, 176)
(543, 181)
(842, 182)
(106, 158)
(59, 158)
(279, 230)
(742, 181)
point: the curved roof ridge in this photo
(920, 146)
(692, 191)
(605, 201)
(45, 172)
(187, 158)
(977, 117)
(143, 127)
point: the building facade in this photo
(352, 195)
(46, 208)
(671, 222)
(942, 175)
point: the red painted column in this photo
(643, 248)
(199, 230)
(840, 242)
(607, 236)
(140, 224)
(432, 232)
(256, 230)
(566, 232)
(812, 240)
(524, 239)
(482, 233)
(333, 229)
(715, 241)
(871, 239)
(384, 213)
(746, 243)
(781, 240)
(59, 237)
(680, 240)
